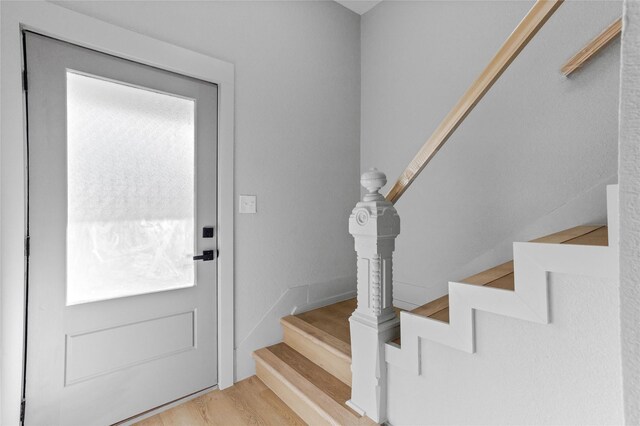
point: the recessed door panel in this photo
(97, 352)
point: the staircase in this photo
(311, 370)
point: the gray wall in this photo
(531, 159)
(297, 143)
(630, 211)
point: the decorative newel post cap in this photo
(373, 180)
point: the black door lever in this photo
(206, 255)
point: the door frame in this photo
(60, 23)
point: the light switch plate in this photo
(248, 204)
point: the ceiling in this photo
(359, 6)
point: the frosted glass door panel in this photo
(131, 190)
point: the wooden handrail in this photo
(524, 32)
(593, 47)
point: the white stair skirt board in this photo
(529, 301)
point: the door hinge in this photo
(27, 246)
(25, 86)
(22, 410)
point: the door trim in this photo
(60, 23)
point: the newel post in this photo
(374, 224)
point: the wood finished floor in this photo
(249, 402)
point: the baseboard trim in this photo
(405, 306)
(324, 302)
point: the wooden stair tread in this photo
(598, 237)
(485, 277)
(324, 381)
(442, 315)
(332, 320)
(505, 283)
(319, 336)
(432, 307)
(323, 336)
(567, 234)
(316, 395)
(320, 347)
(502, 276)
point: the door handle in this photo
(206, 255)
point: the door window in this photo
(131, 186)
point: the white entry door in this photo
(122, 197)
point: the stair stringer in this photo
(529, 301)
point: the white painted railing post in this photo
(374, 224)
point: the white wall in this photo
(630, 210)
(567, 372)
(297, 143)
(532, 158)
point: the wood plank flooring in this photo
(249, 402)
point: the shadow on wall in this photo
(293, 301)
